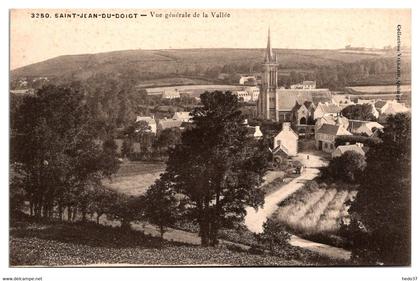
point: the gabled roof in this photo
(333, 130)
(288, 98)
(147, 119)
(181, 115)
(379, 104)
(169, 123)
(329, 108)
(351, 147)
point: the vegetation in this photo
(315, 209)
(380, 215)
(56, 160)
(359, 112)
(348, 167)
(330, 68)
(352, 139)
(58, 244)
(161, 205)
(217, 167)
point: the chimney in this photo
(359, 144)
(286, 126)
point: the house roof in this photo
(148, 119)
(169, 123)
(329, 108)
(333, 130)
(308, 83)
(288, 97)
(351, 147)
(181, 115)
(379, 104)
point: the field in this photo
(133, 178)
(315, 209)
(66, 244)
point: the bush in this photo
(347, 167)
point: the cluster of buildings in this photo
(305, 108)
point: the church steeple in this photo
(269, 57)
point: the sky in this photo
(37, 39)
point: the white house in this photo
(393, 107)
(247, 79)
(305, 85)
(150, 121)
(341, 149)
(182, 115)
(286, 141)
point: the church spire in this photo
(269, 57)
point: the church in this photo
(277, 103)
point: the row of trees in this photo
(211, 175)
(55, 156)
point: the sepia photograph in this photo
(210, 138)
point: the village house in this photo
(393, 107)
(327, 108)
(368, 128)
(341, 149)
(286, 142)
(247, 94)
(342, 101)
(332, 120)
(248, 80)
(305, 85)
(150, 121)
(184, 116)
(168, 123)
(326, 135)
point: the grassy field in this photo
(315, 209)
(65, 244)
(133, 178)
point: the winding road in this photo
(255, 219)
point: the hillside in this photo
(154, 63)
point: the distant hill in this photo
(151, 64)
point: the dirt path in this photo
(322, 249)
(254, 220)
(178, 235)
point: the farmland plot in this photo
(133, 178)
(315, 209)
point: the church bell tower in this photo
(267, 103)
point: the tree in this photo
(126, 209)
(359, 112)
(160, 205)
(217, 167)
(167, 139)
(54, 142)
(380, 215)
(348, 167)
(275, 235)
